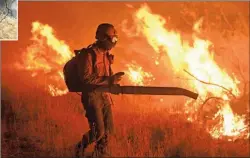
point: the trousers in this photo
(100, 119)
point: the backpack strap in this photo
(110, 70)
(90, 50)
(92, 53)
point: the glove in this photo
(116, 78)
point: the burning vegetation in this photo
(192, 59)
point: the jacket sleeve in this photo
(111, 61)
(85, 71)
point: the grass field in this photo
(46, 126)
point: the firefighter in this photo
(98, 104)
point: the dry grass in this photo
(8, 27)
(47, 126)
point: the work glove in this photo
(116, 78)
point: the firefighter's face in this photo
(109, 40)
(112, 35)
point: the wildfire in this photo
(54, 91)
(195, 60)
(46, 56)
(137, 76)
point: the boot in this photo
(101, 151)
(80, 150)
(95, 153)
(104, 153)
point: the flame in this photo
(137, 75)
(229, 124)
(196, 60)
(54, 91)
(46, 55)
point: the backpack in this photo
(70, 70)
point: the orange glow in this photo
(137, 76)
(48, 54)
(196, 60)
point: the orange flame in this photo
(46, 54)
(137, 75)
(196, 60)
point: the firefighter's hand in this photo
(116, 78)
